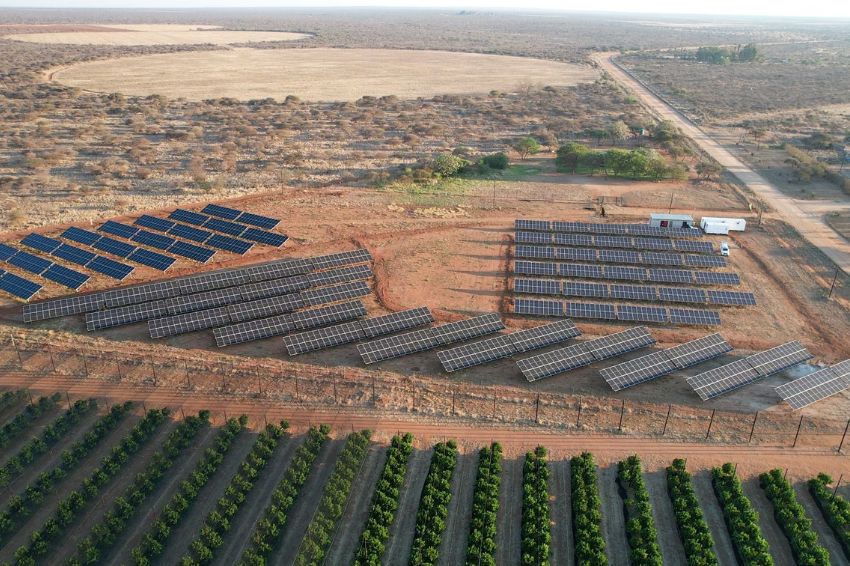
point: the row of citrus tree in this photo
(434, 506)
(640, 526)
(690, 521)
(23, 420)
(536, 522)
(587, 511)
(481, 544)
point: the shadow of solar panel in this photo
(128, 314)
(191, 251)
(576, 254)
(29, 262)
(188, 217)
(694, 246)
(279, 268)
(555, 362)
(263, 237)
(18, 286)
(671, 276)
(221, 211)
(253, 330)
(537, 286)
(779, 358)
(314, 297)
(658, 258)
(816, 386)
(190, 233)
(201, 301)
(535, 268)
(695, 317)
(535, 252)
(80, 236)
(118, 229)
(542, 336)
(154, 223)
(696, 260)
(151, 259)
(273, 288)
(64, 276)
(477, 353)
(340, 259)
(533, 237)
(140, 294)
(322, 338)
(625, 273)
(41, 243)
(189, 322)
(157, 241)
(538, 308)
(229, 244)
(110, 268)
(315, 318)
(62, 307)
(394, 322)
(342, 275)
(639, 370)
(581, 270)
(397, 346)
(633, 292)
(715, 278)
(681, 295)
(6, 252)
(590, 310)
(573, 239)
(532, 225)
(257, 220)
(225, 227)
(114, 247)
(261, 308)
(734, 298)
(74, 255)
(580, 289)
(469, 328)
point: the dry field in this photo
(155, 34)
(317, 74)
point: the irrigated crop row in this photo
(835, 508)
(741, 519)
(536, 521)
(791, 516)
(587, 512)
(382, 512)
(693, 530)
(434, 505)
(25, 418)
(9, 398)
(640, 526)
(481, 544)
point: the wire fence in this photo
(308, 386)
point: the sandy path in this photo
(562, 518)
(779, 547)
(723, 547)
(402, 530)
(453, 547)
(508, 529)
(613, 517)
(826, 536)
(672, 550)
(810, 225)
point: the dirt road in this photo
(809, 223)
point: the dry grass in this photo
(318, 74)
(165, 34)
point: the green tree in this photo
(527, 146)
(448, 165)
(618, 131)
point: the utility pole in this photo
(670, 208)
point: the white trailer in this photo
(713, 225)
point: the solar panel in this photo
(279, 268)
(476, 353)
(18, 286)
(542, 336)
(214, 280)
(469, 328)
(341, 275)
(203, 300)
(321, 338)
(696, 317)
(305, 320)
(681, 295)
(625, 273)
(671, 276)
(535, 252)
(716, 278)
(253, 330)
(64, 276)
(538, 308)
(532, 225)
(696, 260)
(633, 292)
(261, 308)
(224, 226)
(157, 241)
(664, 362)
(233, 245)
(340, 259)
(816, 386)
(6, 252)
(257, 220)
(743, 372)
(118, 229)
(221, 211)
(657, 244)
(188, 217)
(29, 262)
(537, 286)
(693, 246)
(151, 259)
(613, 242)
(189, 233)
(110, 267)
(396, 346)
(402, 320)
(533, 237)
(80, 236)
(73, 254)
(191, 251)
(263, 237)
(660, 258)
(535, 268)
(275, 287)
(113, 246)
(128, 314)
(154, 223)
(572, 239)
(336, 293)
(590, 310)
(189, 322)
(641, 314)
(735, 298)
(576, 254)
(581, 289)
(581, 270)
(140, 294)
(41, 243)
(576, 227)
(62, 307)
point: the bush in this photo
(448, 165)
(434, 505)
(481, 544)
(640, 526)
(741, 519)
(693, 530)
(791, 517)
(536, 520)
(587, 512)
(835, 508)
(498, 161)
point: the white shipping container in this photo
(712, 225)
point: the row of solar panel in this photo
(191, 284)
(620, 273)
(815, 386)
(26, 289)
(240, 216)
(633, 292)
(18, 286)
(595, 228)
(604, 255)
(602, 241)
(252, 299)
(625, 313)
(218, 225)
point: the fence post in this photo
(843, 436)
(297, 393)
(374, 397)
(18, 352)
(52, 362)
(153, 371)
(753, 429)
(710, 422)
(336, 402)
(666, 420)
(454, 391)
(68, 398)
(796, 436)
(578, 418)
(838, 483)
(537, 410)
(414, 397)
(85, 364)
(118, 368)
(494, 406)
(622, 412)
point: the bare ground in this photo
(402, 530)
(613, 518)
(779, 547)
(665, 519)
(723, 546)
(563, 545)
(509, 527)
(453, 547)
(826, 536)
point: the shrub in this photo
(835, 508)
(481, 544)
(434, 505)
(536, 521)
(640, 526)
(587, 512)
(693, 530)
(741, 519)
(791, 517)
(498, 161)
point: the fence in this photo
(285, 383)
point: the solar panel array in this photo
(507, 345)
(606, 241)
(192, 284)
(729, 377)
(619, 273)
(18, 286)
(584, 353)
(118, 248)
(596, 228)
(632, 292)
(349, 332)
(604, 255)
(24, 288)
(816, 386)
(657, 364)
(625, 313)
(428, 338)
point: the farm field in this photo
(153, 34)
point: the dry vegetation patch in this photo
(155, 34)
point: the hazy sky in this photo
(816, 8)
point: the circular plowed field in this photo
(165, 34)
(317, 74)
